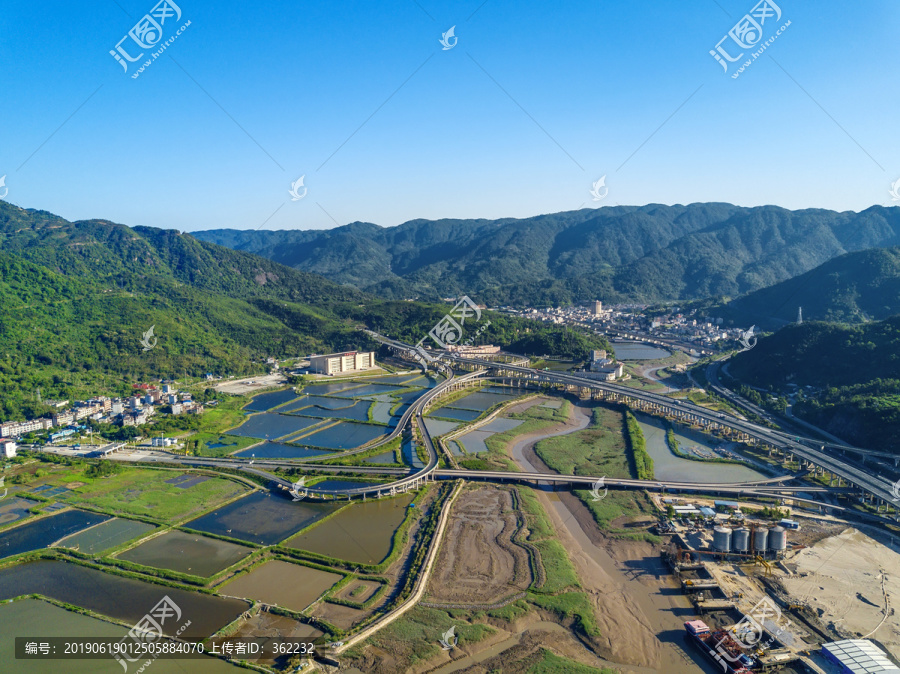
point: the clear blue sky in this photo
(535, 102)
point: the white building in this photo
(8, 448)
(336, 363)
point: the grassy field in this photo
(535, 418)
(618, 504)
(417, 633)
(144, 492)
(554, 664)
(599, 449)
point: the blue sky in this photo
(533, 104)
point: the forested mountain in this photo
(621, 253)
(76, 299)
(856, 368)
(852, 288)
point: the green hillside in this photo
(856, 370)
(623, 253)
(77, 297)
(852, 288)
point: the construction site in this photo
(760, 587)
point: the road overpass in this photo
(875, 489)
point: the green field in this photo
(599, 449)
(535, 418)
(553, 664)
(144, 492)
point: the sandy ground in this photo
(847, 579)
(479, 563)
(640, 610)
(242, 386)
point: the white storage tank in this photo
(722, 539)
(777, 539)
(761, 540)
(740, 539)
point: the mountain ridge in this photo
(618, 254)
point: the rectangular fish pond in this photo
(262, 518)
(360, 533)
(106, 536)
(46, 531)
(186, 553)
(126, 599)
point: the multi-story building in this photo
(7, 448)
(62, 418)
(337, 363)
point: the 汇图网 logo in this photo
(748, 33)
(748, 338)
(146, 337)
(449, 639)
(595, 490)
(448, 39)
(599, 190)
(148, 33)
(296, 195)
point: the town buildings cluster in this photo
(134, 410)
(634, 320)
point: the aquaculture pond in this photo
(106, 536)
(409, 453)
(14, 508)
(45, 531)
(333, 387)
(262, 518)
(279, 450)
(186, 553)
(357, 410)
(266, 401)
(437, 427)
(30, 617)
(473, 441)
(368, 390)
(454, 413)
(668, 466)
(345, 435)
(480, 401)
(320, 401)
(360, 533)
(291, 586)
(266, 425)
(330, 483)
(125, 599)
(381, 413)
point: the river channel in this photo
(645, 594)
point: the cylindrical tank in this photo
(722, 539)
(740, 539)
(777, 539)
(761, 540)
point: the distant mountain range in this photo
(78, 298)
(640, 254)
(853, 288)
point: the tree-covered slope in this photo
(856, 368)
(852, 288)
(647, 253)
